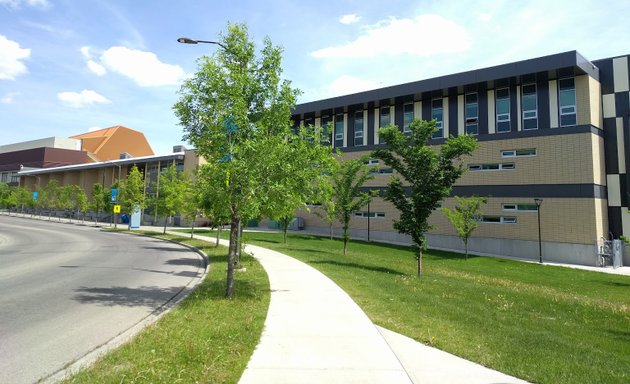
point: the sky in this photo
(70, 66)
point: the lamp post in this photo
(187, 40)
(538, 203)
(368, 223)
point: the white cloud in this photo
(425, 35)
(9, 98)
(11, 56)
(96, 68)
(142, 67)
(346, 84)
(82, 99)
(349, 19)
(85, 51)
(31, 3)
(485, 17)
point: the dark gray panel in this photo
(542, 92)
(610, 146)
(453, 119)
(350, 128)
(370, 130)
(622, 104)
(606, 75)
(614, 221)
(532, 191)
(623, 189)
(398, 115)
(482, 95)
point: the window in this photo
(437, 113)
(472, 114)
(498, 219)
(530, 107)
(384, 119)
(566, 90)
(520, 207)
(370, 214)
(326, 128)
(490, 167)
(339, 130)
(503, 110)
(372, 162)
(407, 116)
(525, 152)
(382, 170)
(358, 128)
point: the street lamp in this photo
(187, 40)
(538, 203)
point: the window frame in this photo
(524, 119)
(570, 106)
(406, 119)
(498, 115)
(471, 121)
(438, 123)
(357, 113)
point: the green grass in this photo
(541, 323)
(206, 339)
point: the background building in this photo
(551, 128)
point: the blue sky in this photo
(69, 66)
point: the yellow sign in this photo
(116, 208)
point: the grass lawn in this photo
(540, 323)
(206, 339)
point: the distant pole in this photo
(538, 203)
(368, 239)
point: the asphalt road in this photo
(67, 289)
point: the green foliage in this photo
(98, 199)
(173, 191)
(347, 196)
(131, 191)
(236, 111)
(49, 195)
(464, 216)
(430, 173)
(21, 198)
(78, 199)
(5, 195)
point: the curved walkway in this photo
(315, 333)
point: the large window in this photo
(358, 128)
(503, 110)
(385, 117)
(472, 114)
(327, 128)
(407, 116)
(437, 113)
(339, 130)
(566, 90)
(530, 107)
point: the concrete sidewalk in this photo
(315, 333)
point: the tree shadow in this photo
(611, 283)
(186, 262)
(167, 249)
(359, 266)
(446, 255)
(150, 297)
(623, 335)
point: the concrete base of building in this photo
(566, 253)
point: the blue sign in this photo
(35, 194)
(230, 125)
(114, 195)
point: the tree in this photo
(213, 199)
(429, 172)
(464, 216)
(49, 196)
(5, 194)
(347, 196)
(78, 200)
(172, 192)
(22, 197)
(236, 111)
(98, 200)
(192, 207)
(131, 193)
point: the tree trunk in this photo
(419, 261)
(165, 222)
(285, 228)
(331, 231)
(238, 244)
(218, 235)
(192, 227)
(345, 245)
(466, 246)
(229, 291)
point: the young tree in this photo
(429, 172)
(213, 199)
(464, 216)
(5, 194)
(49, 196)
(236, 111)
(347, 196)
(22, 197)
(193, 201)
(97, 202)
(79, 200)
(131, 193)
(172, 193)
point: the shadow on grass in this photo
(359, 266)
(611, 283)
(445, 255)
(215, 290)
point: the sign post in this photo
(114, 200)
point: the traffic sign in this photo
(117, 208)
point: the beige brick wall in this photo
(562, 159)
(588, 101)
